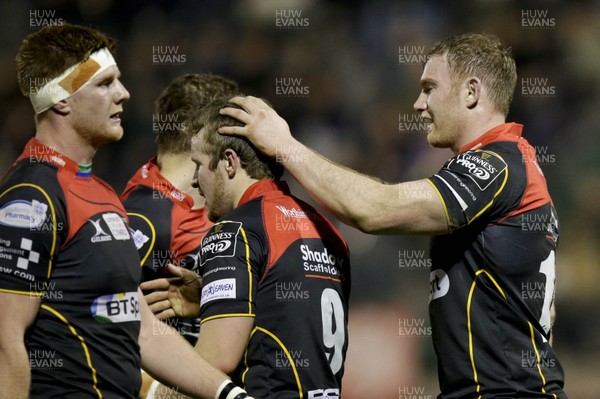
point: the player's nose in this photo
(122, 93)
(421, 103)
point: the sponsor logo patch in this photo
(483, 167)
(292, 213)
(116, 225)
(23, 214)
(178, 195)
(221, 242)
(139, 238)
(18, 259)
(219, 289)
(321, 261)
(439, 284)
(32, 256)
(116, 308)
(100, 234)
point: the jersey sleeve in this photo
(469, 185)
(31, 224)
(230, 258)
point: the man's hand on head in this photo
(267, 131)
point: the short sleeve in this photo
(30, 229)
(230, 259)
(469, 185)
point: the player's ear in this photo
(62, 107)
(232, 162)
(473, 86)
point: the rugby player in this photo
(276, 273)
(494, 224)
(166, 214)
(74, 323)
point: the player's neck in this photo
(478, 127)
(179, 169)
(62, 138)
(241, 185)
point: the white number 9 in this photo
(334, 335)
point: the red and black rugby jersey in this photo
(64, 238)
(276, 259)
(492, 278)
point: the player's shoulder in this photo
(28, 191)
(248, 216)
(148, 201)
(26, 174)
(487, 164)
(104, 185)
(507, 150)
(290, 206)
(32, 170)
(516, 155)
(293, 214)
(144, 182)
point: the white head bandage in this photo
(71, 81)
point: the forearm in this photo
(170, 359)
(354, 198)
(15, 374)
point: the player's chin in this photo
(115, 133)
(213, 216)
(437, 141)
(217, 212)
(433, 139)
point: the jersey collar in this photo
(262, 187)
(149, 175)
(36, 151)
(506, 132)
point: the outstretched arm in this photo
(170, 359)
(358, 200)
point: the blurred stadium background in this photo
(345, 75)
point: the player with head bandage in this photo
(73, 323)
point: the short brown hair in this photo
(483, 56)
(47, 53)
(256, 165)
(180, 102)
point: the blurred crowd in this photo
(345, 75)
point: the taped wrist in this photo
(228, 390)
